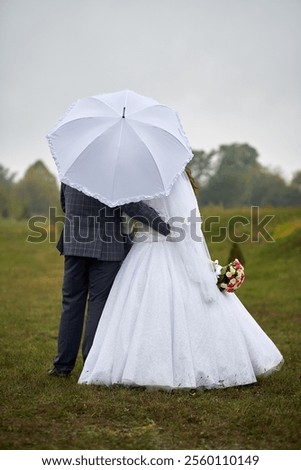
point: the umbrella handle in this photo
(123, 113)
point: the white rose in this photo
(232, 270)
(232, 282)
(223, 285)
(229, 274)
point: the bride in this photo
(166, 324)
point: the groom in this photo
(94, 249)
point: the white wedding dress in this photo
(166, 324)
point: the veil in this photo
(180, 209)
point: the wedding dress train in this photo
(166, 324)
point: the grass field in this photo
(38, 412)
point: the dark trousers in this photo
(84, 279)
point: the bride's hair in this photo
(192, 180)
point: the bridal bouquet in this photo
(231, 277)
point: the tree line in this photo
(32, 195)
(230, 176)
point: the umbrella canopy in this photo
(119, 147)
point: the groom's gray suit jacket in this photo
(93, 229)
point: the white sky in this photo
(231, 68)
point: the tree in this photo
(296, 180)
(201, 165)
(6, 186)
(240, 180)
(271, 189)
(236, 252)
(231, 184)
(37, 190)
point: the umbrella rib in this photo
(106, 104)
(118, 154)
(150, 155)
(81, 118)
(161, 129)
(151, 106)
(92, 141)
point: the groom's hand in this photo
(147, 215)
(176, 234)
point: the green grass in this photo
(38, 412)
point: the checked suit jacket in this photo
(93, 229)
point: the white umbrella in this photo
(119, 147)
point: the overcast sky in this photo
(231, 68)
